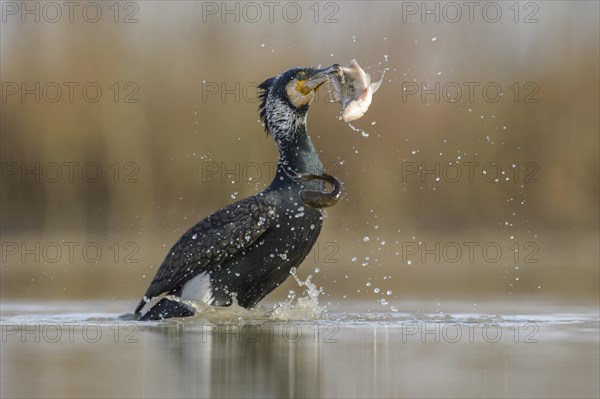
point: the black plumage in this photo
(249, 247)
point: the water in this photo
(84, 349)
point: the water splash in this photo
(304, 308)
(356, 129)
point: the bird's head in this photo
(284, 99)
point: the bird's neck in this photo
(297, 154)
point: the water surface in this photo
(85, 350)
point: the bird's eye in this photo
(300, 76)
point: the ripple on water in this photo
(305, 308)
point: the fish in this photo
(354, 90)
(321, 199)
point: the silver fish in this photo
(354, 90)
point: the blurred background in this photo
(474, 175)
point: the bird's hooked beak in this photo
(317, 78)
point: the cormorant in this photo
(249, 247)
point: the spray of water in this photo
(303, 308)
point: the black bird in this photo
(249, 247)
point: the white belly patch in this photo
(198, 289)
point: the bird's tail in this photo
(142, 303)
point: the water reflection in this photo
(270, 360)
(344, 355)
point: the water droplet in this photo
(366, 239)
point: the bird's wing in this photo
(219, 236)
